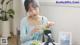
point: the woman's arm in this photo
(47, 23)
(24, 36)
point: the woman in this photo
(28, 25)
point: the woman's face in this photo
(33, 11)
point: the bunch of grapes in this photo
(36, 43)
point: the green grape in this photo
(36, 43)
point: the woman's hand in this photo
(35, 30)
(50, 23)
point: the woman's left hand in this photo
(35, 30)
(50, 23)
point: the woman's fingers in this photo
(50, 23)
(35, 30)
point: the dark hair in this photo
(34, 4)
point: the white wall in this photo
(19, 13)
(67, 19)
(47, 0)
(55, 0)
(17, 9)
